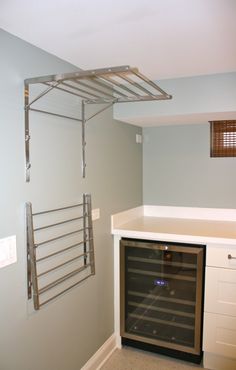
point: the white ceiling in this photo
(164, 39)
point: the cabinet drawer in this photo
(218, 256)
(219, 335)
(220, 291)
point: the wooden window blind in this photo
(223, 138)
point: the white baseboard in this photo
(102, 354)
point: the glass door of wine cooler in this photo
(161, 294)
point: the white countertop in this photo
(179, 224)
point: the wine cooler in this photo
(162, 297)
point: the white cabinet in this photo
(219, 331)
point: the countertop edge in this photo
(134, 234)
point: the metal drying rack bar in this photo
(100, 86)
(84, 251)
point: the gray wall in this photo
(178, 170)
(67, 332)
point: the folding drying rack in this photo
(100, 86)
(65, 257)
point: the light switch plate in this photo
(95, 214)
(139, 139)
(8, 251)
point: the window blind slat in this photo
(223, 138)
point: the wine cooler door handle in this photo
(179, 249)
(163, 247)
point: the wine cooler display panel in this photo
(161, 294)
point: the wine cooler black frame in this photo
(187, 352)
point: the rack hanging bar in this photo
(79, 74)
(42, 94)
(90, 229)
(151, 83)
(61, 265)
(104, 85)
(79, 82)
(61, 88)
(31, 257)
(109, 79)
(130, 99)
(27, 134)
(61, 279)
(140, 87)
(57, 209)
(81, 90)
(54, 114)
(58, 237)
(65, 290)
(58, 223)
(84, 227)
(62, 250)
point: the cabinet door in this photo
(219, 334)
(220, 291)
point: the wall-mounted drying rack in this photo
(60, 250)
(100, 86)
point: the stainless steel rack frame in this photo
(59, 267)
(100, 86)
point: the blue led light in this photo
(160, 282)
